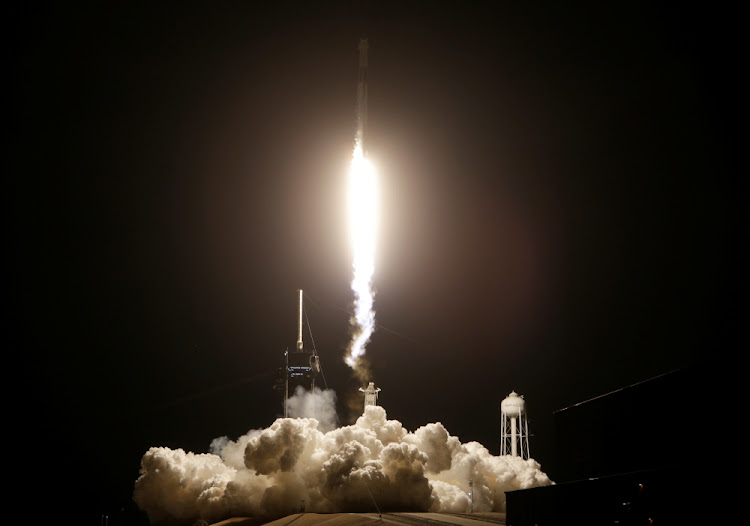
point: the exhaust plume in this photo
(294, 465)
(363, 221)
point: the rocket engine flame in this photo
(363, 222)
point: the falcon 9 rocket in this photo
(362, 94)
(363, 220)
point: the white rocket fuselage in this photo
(362, 93)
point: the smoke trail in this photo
(293, 464)
(363, 220)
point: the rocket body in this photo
(362, 94)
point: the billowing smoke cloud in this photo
(295, 465)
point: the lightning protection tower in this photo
(514, 432)
(371, 394)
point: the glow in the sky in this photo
(363, 222)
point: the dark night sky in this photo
(560, 214)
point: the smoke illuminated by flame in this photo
(363, 222)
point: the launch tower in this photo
(301, 366)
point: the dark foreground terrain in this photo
(359, 519)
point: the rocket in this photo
(362, 94)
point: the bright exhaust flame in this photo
(363, 222)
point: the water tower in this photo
(514, 431)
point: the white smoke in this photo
(318, 404)
(294, 464)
